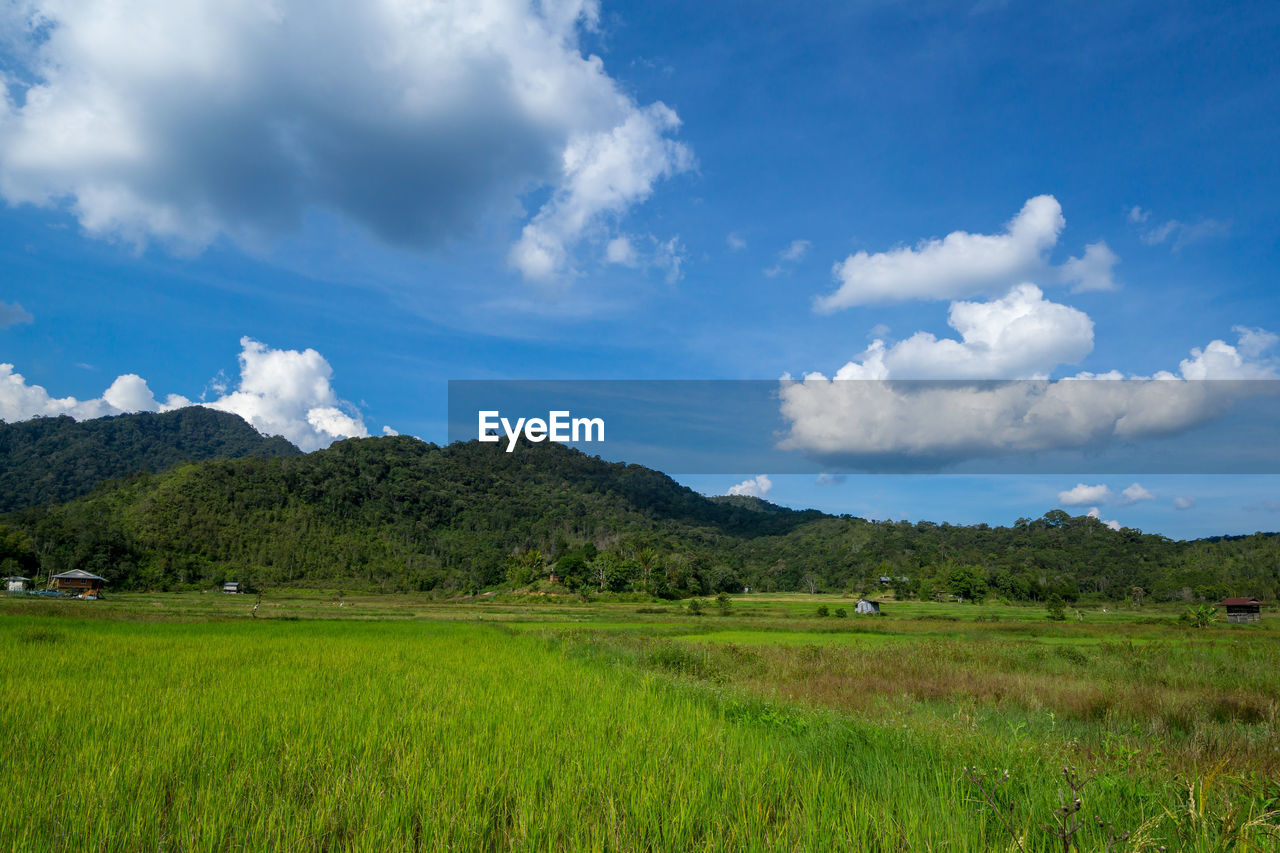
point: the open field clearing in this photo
(173, 722)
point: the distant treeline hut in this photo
(1243, 609)
(79, 582)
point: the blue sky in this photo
(390, 193)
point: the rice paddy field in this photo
(333, 722)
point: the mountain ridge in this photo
(396, 513)
(60, 458)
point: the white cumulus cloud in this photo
(756, 487)
(958, 265)
(420, 122)
(289, 393)
(20, 401)
(1184, 502)
(281, 392)
(1081, 495)
(1135, 493)
(1093, 513)
(1094, 270)
(1220, 360)
(1020, 335)
(602, 173)
(935, 423)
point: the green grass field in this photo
(177, 722)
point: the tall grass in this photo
(399, 735)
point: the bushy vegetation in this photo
(398, 514)
(56, 459)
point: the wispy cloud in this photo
(13, 315)
(1174, 232)
(788, 257)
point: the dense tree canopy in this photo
(399, 514)
(56, 459)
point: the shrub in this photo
(723, 602)
(1200, 617)
(823, 611)
(840, 611)
(1054, 609)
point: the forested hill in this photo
(400, 514)
(56, 459)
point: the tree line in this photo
(398, 514)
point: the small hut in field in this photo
(232, 588)
(79, 582)
(1243, 609)
(16, 584)
(867, 607)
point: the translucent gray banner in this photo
(1093, 426)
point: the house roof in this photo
(16, 578)
(1239, 601)
(80, 574)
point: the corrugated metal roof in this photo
(80, 574)
(1240, 600)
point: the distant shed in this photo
(1243, 609)
(79, 582)
(16, 584)
(232, 588)
(868, 607)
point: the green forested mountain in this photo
(396, 514)
(56, 459)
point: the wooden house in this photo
(79, 582)
(1243, 609)
(16, 584)
(867, 607)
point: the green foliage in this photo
(695, 607)
(398, 514)
(1200, 616)
(967, 583)
(823, 610)
(525, 568)
(56, 459)
(723, 602)
(841, 612)
(1054, 609)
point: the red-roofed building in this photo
(1243, 609)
